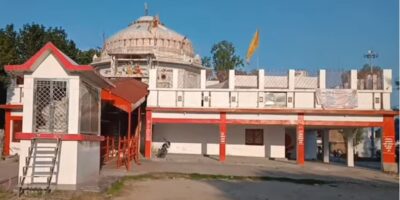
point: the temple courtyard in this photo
(180, 176)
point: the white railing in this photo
(224, 98)
(261, 97)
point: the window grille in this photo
(254, 136)
(89, 108)
(50, 106)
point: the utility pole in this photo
(371, 55)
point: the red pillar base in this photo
(149, 135)
(388, 145)
(222, 140)
(300, 139)
(7, 133)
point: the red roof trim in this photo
(11, 106)
(276, 111)
(27, 66)
(63, 136)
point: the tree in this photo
(86, 57)
(8, 51)
(224, 59)
(206, 61)
(18, 46)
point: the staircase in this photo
(40, 165)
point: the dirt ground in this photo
(176, 186)
(179, 188)
(191, 177)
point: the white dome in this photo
(148, 35)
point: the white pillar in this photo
(350, 151)
(291, 79)
(325, 138)
(290, 94)
(231, 79)
(353, 79)
(322, 79)
(387, 87)
(152, 78)
(175, 77)
(261, 78)
(203, 79)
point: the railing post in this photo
(203, 79)
(322, 79)
(231, 79)
(291, 86)
(321, 85)
(261, 79)
(387, 88)
(261, 86)
(353, 79)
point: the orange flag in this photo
(253, 46)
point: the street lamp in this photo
(370, 56)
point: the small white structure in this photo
(61, 101)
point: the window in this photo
(254, 137)
(89, 108)
(50, 106)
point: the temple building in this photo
(63, 119)
(148, 44)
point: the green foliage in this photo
(18, 46)
(224, 58)
(86, 57)
(206, 61)
(8, 51)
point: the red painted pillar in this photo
(7, 133)
(388, 145)
(149, 134)
(129, 124)
(222, 139)
(300, 139)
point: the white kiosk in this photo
(60, 138)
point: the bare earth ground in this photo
(263, 190)
(236, 178)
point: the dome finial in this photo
(146, 10)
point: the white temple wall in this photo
(88, 163)
(50, 67)
(204, 139)
(65, 169)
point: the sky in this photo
(306, 34)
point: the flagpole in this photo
(258, 61)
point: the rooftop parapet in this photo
(296, 89)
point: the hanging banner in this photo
(337, 98)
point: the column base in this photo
(390, 167)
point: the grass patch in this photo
(116, 187)
(196, 176)
(5, 195)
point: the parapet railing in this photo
(313, 95)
